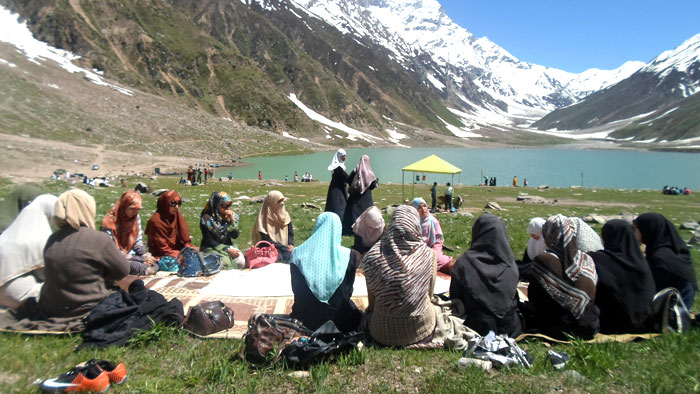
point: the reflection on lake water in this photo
(553, 167)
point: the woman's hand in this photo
(291, 248)
(149, 259)
(233, 252)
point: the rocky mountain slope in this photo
(318, 72)
(658, 101)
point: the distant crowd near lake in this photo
(626, 169)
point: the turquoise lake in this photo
(553, 167)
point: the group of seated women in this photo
(58, 276)
(578, 285)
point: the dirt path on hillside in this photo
(42, 157)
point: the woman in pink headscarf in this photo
(361, 180)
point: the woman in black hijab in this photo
(668, 256)
(625, 284)
(485, 278)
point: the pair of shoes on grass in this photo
(92, 376)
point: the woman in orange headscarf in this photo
(123, 224)
(167, 229)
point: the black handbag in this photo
(669, 313)
(208, 318)
(195, 263)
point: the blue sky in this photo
(575, 35)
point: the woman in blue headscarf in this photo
(323, 274)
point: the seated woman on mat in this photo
(668, 256)
(82, 265)
(400, 271)
(535, 246)
(274, 225)
(432, 235)
(167, 229)
(219, 226)
(22, 252)
(368, 228)
(625, 284)
(563, 286)
(323, 274)
(485, 279)
(123, 224)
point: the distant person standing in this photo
(337, 197)
(448, 197)
(206, 174)
(285, 178)
(296, 177)
(433, 197)
(260, 175)
(525, 182)
(199, 175)
(515, 181)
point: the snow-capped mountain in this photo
(474, 67)
(653, 93)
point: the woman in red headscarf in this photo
(123, 224)
(167, 229)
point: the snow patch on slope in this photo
(352, 133)
(17, 34)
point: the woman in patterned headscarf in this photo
(323, 274)
(167, 229)
(563, 288)
(400, 272)
(123, 224)
(274, 225)
(361, 180)
(219, 225)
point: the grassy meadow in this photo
(168, 360)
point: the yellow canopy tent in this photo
(431, 164)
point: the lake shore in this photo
(26, 159)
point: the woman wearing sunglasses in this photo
(167, 229)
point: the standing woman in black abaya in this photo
(337, 197)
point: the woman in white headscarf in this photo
(81, 265)
(337, 197)
(21, 252)
(535, 246)
(361, 180)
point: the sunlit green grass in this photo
(168, 360)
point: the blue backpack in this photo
(194, 263)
